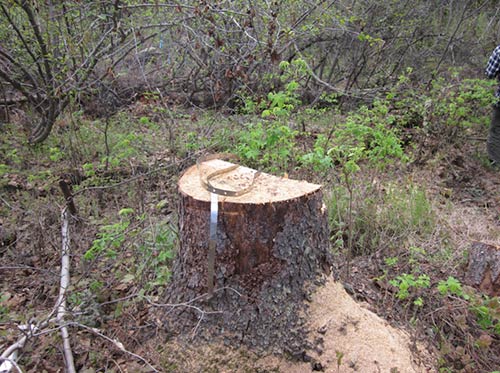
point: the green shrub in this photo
(365, 136)
(487, 313)
(157, 251)
(408, 285)
(266, 146)
(109, 239)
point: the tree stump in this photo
(483, 270)
(272, 249)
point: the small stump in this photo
(483, 271)
(272, 248)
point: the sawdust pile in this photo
(350, 338)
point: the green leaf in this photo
(126, 211)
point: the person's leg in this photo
(493, 142)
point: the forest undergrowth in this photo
(407, 184)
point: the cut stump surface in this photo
(272, 247)
(266, 189)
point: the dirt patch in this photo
(467, 180)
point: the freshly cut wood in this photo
(272, 247)
(483, 269)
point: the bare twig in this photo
(188, 304)
(9, 356)
(24, 268)
(350, 93)
(6, 203)
(115, 342)
(450, 40)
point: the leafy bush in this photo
(278, 103)
(269, 146)
(487, 311)
(157, 251)
(154, 249)
(449, 105)
(367, 135)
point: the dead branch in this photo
(189, 304)
(61, 301)
(174, 164)
(9, 364)
(350, 93)
(66, 189)
(10, 355)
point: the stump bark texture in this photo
(272, 248)
(483, 270)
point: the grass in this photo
(385, 216)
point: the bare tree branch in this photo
(65, 281)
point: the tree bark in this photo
(483, 271)
(272, 249)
